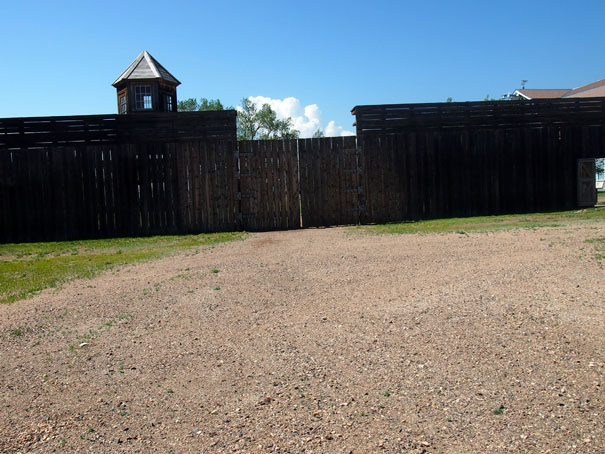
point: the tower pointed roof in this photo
(146, 67)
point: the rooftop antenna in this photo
(523, 82)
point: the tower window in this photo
(123, 104)
(168, 103)
(142, 96)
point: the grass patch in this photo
(490, 223)
(599, 247)
(28, 268)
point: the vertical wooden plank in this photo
(170, 175)
(398, 172)
(366, 163)
(412, 175)
(293, 185)
(230, 147)
(110, 189)
(80, 194)
(6, 183)
(246, 203)
(120, 178)
(45, 196)
(220, 184)
(88, 184)
(268, 218)
(278, 192)
(314, 183)
(563, 136)
(465, 156)
(422, 177)
(322, 149)
(305, 184)
(57, 194)
(484, 157)
(351, 201)
(37, 207)
(249, 194)
(440, 187)
(100, 191)
(144, 187)
(27, 196)
(195, 188)
(72, 181)
(181, 188)
(207, 163)
(152, 185)
(135, 226)
(284, 156)
(264, 199)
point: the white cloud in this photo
(332, 130)
(306, 119)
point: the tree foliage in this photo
(318, 134)
(255, 123)
(192, 105)
(600, 165)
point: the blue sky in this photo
(60, 57)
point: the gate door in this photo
(587, 193)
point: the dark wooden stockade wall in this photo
(437, 160)
(104, 176)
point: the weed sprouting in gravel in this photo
(599, 248)
(499, 410)
(214, 271)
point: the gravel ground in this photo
(322, 341)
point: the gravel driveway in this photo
(322, 340)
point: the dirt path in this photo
(319, 341)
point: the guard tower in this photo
(146, 86)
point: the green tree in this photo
(192, 105)
(449, 99)
(318, 134)
(261, 124)
(599, 165)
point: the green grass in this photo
(599, 248)
(28, 268)
(490, 223)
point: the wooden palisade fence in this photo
(104, 176)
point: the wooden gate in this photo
(331, 181)
(268, 189)
(587, 193)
